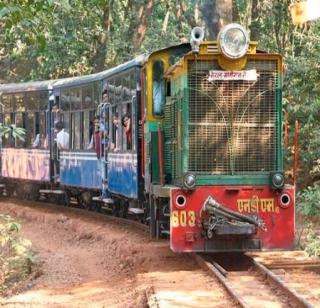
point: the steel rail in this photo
(217, 273)
(293, 295)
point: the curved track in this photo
(249, 282)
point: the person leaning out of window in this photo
(126, 123)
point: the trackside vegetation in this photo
(16, 256)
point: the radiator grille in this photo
(170, 137)
(232, 123)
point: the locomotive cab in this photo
(213, 153)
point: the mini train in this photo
(201, 162)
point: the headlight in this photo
(277, 180)
(189, 181)
(233, 41)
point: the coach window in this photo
(133, 107)
(65, 106)
(111, 90)
(42, 122)
(127, 116)
(6, 101)
(87, 106)
(115, 115)
(158, 88)
(32, 106)
(96, 93)
(76, 130)
(20, 116)
(76, 106)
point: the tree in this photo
(216, 14)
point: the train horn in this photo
(197, 36)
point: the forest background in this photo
(45, 39)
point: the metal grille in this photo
(170, 144)
(232, 123)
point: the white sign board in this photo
(250, 75)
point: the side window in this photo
(158, 88)
(115, 129)
(96, 93)
(32, 106)
(20, 116)
(75, 98)
(121, 92)
(43, 113)
(87, 128)
(67, 123)
(76, 130)
(6, 100)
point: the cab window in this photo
(158, 88)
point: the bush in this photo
(313, 246)
(16, 256)
(308, 201)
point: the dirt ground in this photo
(89, 260)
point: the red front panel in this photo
(186, 220)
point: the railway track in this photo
(249, 282)
(104, 214)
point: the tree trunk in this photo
(99, 58)
(142, 23)
(216, 14)
(254, 35)
(191, 20)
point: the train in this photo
(202, 161)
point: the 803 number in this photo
(183, 219)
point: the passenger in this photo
(62, 137)
(56, 115)
(126, 123)
(105, 97)
(115, 119)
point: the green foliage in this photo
(308, 201)
(313, 246)
(7, 131)
(310, 238)
(16, 256)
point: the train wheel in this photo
(123, 209)
(21, 193)
(97, 208)
(86, 201)
(67, 199)
(52, 198)
(9, 191)
(115, 208)
(61, 199)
